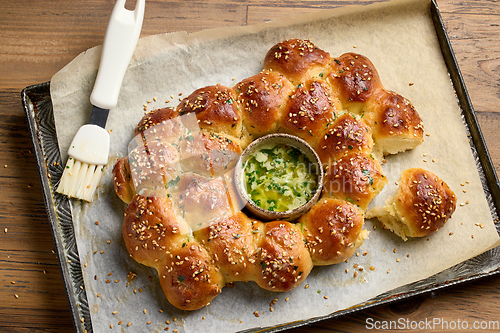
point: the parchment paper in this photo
(399, 38)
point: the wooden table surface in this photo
(37, 38)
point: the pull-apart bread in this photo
(183, 216)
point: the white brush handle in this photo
(120, 40)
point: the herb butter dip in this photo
(279, 177)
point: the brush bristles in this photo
(80, 180)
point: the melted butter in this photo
(279, 178)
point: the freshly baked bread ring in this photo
(184, 217)
(263, 98)
(421, 205)
(333, 231)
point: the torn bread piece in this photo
(421, 205)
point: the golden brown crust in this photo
(188, 278)
(151, 228)
(297, 59)
(354, 80)
(396, 124)
(300, 91)
(263, 98)
(199, 200)
(311, 108)
(283, 258)
(223, 153)
(356, 177)
(424, 201)
(156, 117)
(216, 109)
(122, 180)
(344, 136)
(333, 231)
(231, 242)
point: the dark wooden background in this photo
(39, 37)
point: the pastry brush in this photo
(89, 150)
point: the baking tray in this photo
(39, 113)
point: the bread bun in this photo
(122, 180)
(421, 205)
(356, 177)
(344, 136)
(151, 228)
(232, 244)
(333, 231)
(395, 123)
(188, 277)
(311, 108)
(354, 80)
(263, 98)
(298, 60)
(216, 109)
(284, 261)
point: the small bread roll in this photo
(421, 205)
(311, 108)
(298, 60)
(333, 231)
(184, 216)
(356, 177)
(188, 278)
(232, 245)
(223, 153)
(354, 80)
(122, 180)
(152, 166)
(151, 228)
(199, 200)
(263, 98)
(153, 118)
(284, 261)
(344, 136)
(216, 109)
(395, 123)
